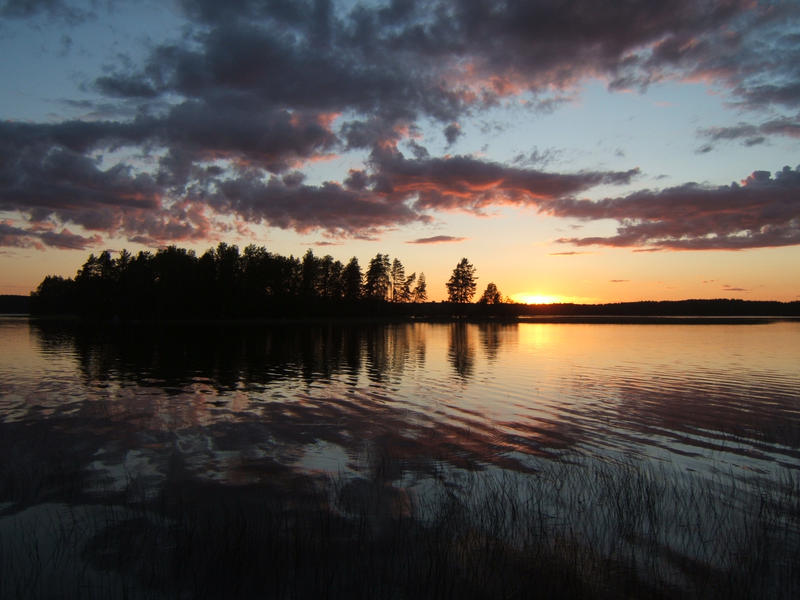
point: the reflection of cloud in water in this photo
(235, 408)
(244, 404)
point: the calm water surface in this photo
(669, 451)
(239, 403)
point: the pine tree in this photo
(398, 276)
(377, 279)
(420, 292)
(351, 280)
(461, 286)
(406, 294)
(491, 295)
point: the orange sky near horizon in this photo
(542, 276)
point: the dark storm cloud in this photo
(271, 139)
(445, 57)
(437, 239)
(257, 88)
(762, 211)
(47, 175)
(304, 208)
(466, 183)
(43, 180)
(551, 45)
(286, 67)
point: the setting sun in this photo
(536, 299)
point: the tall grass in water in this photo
(583, 530)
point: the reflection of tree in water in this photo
(419, 349)
(494, 335)
(186, 376)
(192, 394)
(226, 355)
(388, 349)
(461, 352)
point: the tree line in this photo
(226, 282)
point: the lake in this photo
(665, 454)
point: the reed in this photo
(587, 529)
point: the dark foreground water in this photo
(666, 455)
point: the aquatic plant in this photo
(583, 529)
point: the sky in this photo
(573, 151)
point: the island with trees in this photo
(224, 282)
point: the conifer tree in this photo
(461, 286)
(420, 293)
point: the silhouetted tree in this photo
(398, 277)
(491, 295)
(174, 281)
(351, 280)
(228, 277)
(54, 295)
(311, 269)
(405, 295)
(378, 282)
(461, 286)
(95, 285)
(420, 292)
(329, 280)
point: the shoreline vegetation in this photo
(579, 530)
(175, 284)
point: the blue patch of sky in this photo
(47, 78)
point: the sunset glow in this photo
(537, 299)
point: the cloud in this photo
(65, 239)
(762, 211)
(450, 56)
(329, 207)
(280, 63)
(208, 123)
(751, 135)
(618, 280)
(13, 236)
(25, 9)
(213, 160)
(470, 184)
(48, 175)
(452, 132)
(437, 239)
(567, 253)
(537, 157)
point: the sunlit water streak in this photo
(691, 395)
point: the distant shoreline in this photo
(658, 320)
(719, 311)
(384, 320)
